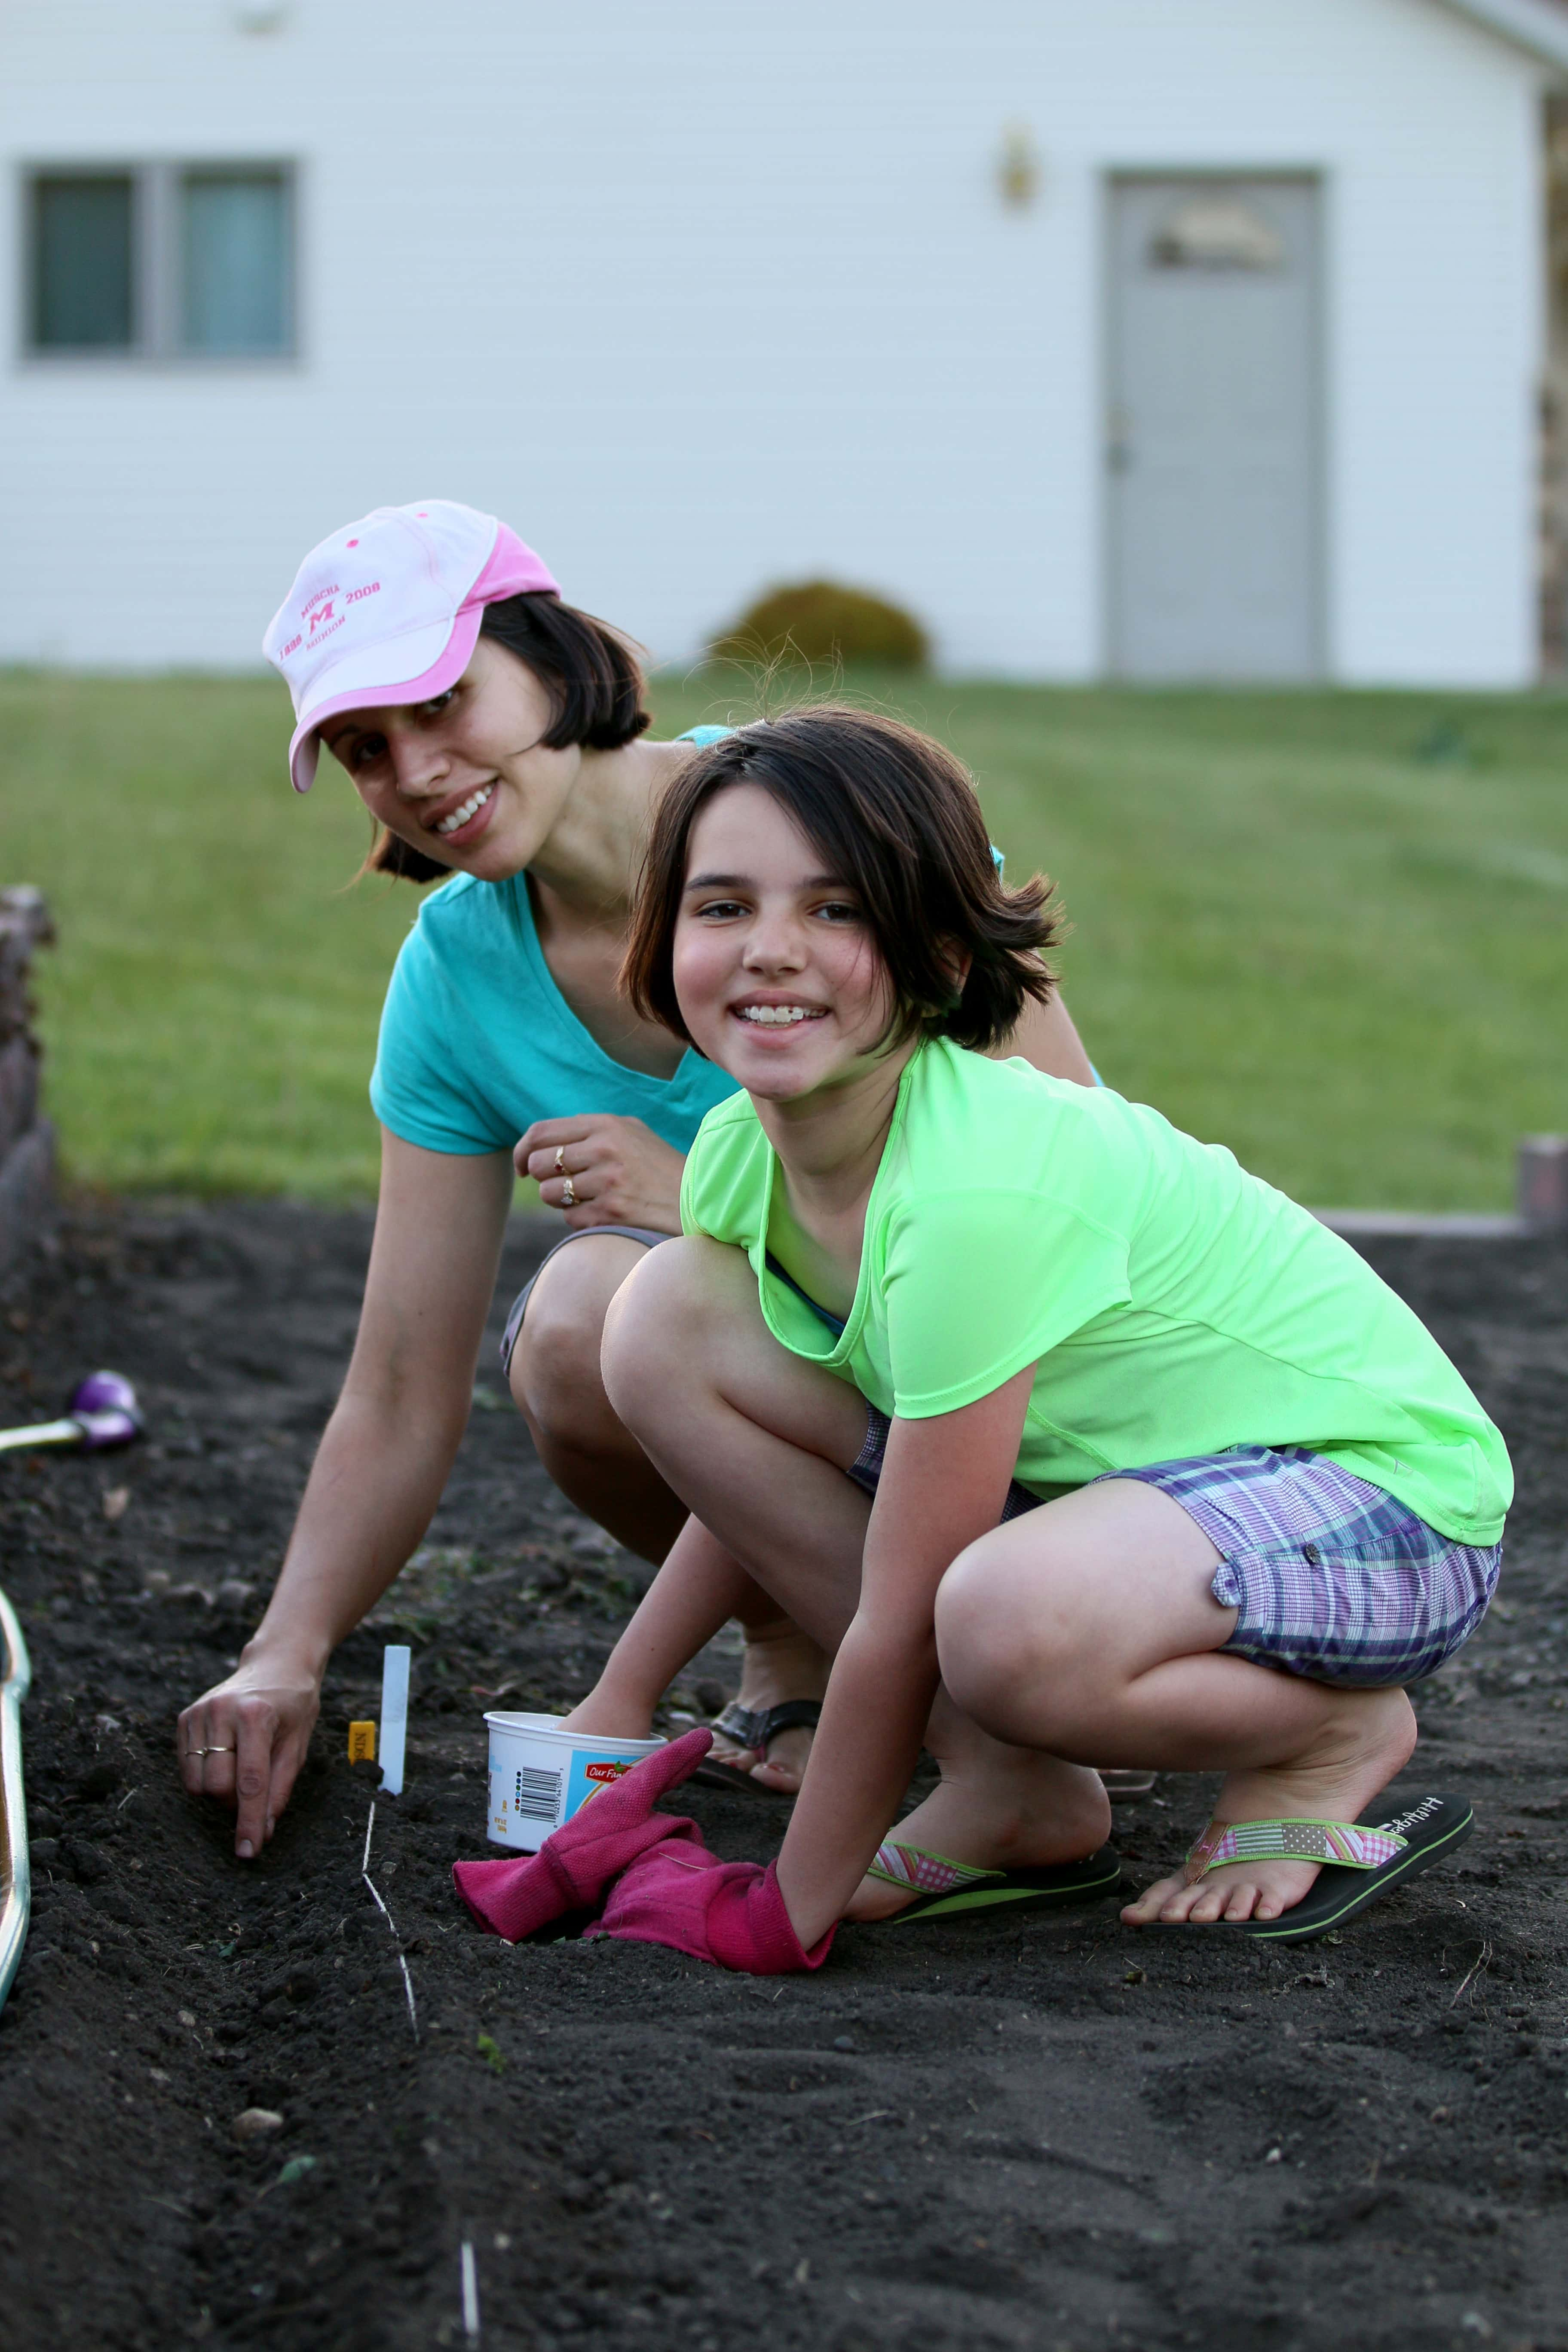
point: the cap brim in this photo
(431, 660)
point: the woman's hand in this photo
(383, 1460)
(604, 1170)
(245, 1740)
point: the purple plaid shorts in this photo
(1329, 1576)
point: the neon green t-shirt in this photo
(1174, 1305)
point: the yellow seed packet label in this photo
(361, 1743)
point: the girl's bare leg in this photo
(598, 1465)
(1088, 1628)
(758, 1442)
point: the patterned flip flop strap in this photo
(924, 1874)
(1344, 1843)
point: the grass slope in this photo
(1326, 929)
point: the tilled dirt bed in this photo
(1036, 2131)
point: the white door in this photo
(1212, 440)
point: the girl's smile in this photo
(777, 977)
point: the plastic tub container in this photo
(540, 1775)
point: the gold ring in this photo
(561, 1159)
(568, 1194)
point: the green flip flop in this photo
(1362, 1859)
(944, 1887)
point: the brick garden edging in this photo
(27, 1140)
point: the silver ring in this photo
(569, 1194)
(219, 1749)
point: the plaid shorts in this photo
(1329, 1576)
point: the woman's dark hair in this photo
(896, 818)
(594, 678)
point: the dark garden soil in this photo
(1038, 2132)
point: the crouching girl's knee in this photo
(1016, 1649)
(977, 1635)
(654, 1328)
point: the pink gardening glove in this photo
(680, 1895)
(577, 1861)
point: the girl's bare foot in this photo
(1014, 1810)
(781, 1663)
(1368, 1739)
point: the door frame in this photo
(1113, 178)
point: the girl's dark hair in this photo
(897, 819)
(593, 675)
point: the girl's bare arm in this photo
(696, 1592)
(943, 1484)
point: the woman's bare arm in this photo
(378, 1475)
(1045, 1036)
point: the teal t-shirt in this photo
(1174, 1305)
(477, 1042)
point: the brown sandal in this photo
(754, 1728)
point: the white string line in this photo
(471, 2294)
(376, 1898)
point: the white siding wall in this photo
(702, 296)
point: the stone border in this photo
(27, 1138)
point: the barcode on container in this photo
(538, 1795)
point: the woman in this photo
(495, 735)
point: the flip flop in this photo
(1125, 1787)
(754, 1727)
(946, 1886)
(1364, 1859)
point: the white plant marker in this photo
(393, 1715)
(471, 2294)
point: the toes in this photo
(1156, 1902)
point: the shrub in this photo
(819, 621)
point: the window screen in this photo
(83, 268)
(234, 290)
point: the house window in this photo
(83, 292)
(162, 261)
(233, 234)
(1217, 233)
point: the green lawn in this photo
(1331, 930)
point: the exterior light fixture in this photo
(1018, 167)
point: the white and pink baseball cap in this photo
(388, 610)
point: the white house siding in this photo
(703, 296)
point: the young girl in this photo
(1070, 1439)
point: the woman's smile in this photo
(469, 769)
(459, 822)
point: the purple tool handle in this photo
(104, 1406)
